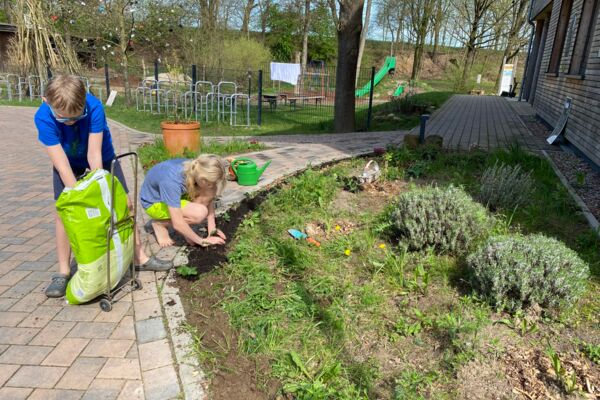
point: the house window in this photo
(583, 39)
(559, 37)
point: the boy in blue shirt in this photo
(72, 126)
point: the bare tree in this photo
(305, 31)
(363, 38)
(349, 26)
(515, 38)
(420, 12)
(250, 5)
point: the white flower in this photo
(104, 48)
(112, 52)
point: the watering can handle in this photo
(234, 162)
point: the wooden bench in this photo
(271, 99)
(293, 100)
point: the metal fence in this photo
(218, 95)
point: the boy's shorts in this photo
(58, 184)
(160, 211)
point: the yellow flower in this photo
(382, 246)
(347, 252)
(338, 228)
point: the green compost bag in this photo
(85, 212)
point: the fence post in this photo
(194, 79)
(369, 113)
(260, 83)
(156, 71)
(106, 79)
(424, 119)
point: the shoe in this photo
(155, 264)
(58, 286)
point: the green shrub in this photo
(505, 186)
(244, 54)
(447, 220)
(513, 272)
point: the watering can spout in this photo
(262, 169)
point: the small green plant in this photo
(591, 351)
(412, 384)
(520, 324)
(417, 169)
(420, 280)
(505, 186)
(225, 217)
(514, 272)
(186, 271)
(446, 220)
(405, 327)
(567, 379)
(580, 178)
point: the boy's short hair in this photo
(66, 94)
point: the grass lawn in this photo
(284, 120)
(360, 317)
(152, 154)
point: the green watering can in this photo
(247, 171)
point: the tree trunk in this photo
(437, 27)
(348, 32)
(246, 18)
(417, 59)
(363, 38)
(124, 40)
(305, 30)
(7, 11)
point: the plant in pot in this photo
(180, 134)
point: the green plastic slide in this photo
(388, 65)
(85, 212)
(399, 91)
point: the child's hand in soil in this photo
(219, 233)
(214, 240)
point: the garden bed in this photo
(361, 317)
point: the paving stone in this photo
(35, 266)
(40, 317)
(155, 354)
(6, 267)
(6, 303)
(24, 355)
(14, 277)
(6, 371)
(78, 313)
(55, 394)
(21, 289)
(66, 352)
(81, 374)
(10, 335)
(36, 377)
(11, 318)
(125, 329)
(133, 390)
(148, 291)
(133, 353)
(40, 276)
(150, 330)
(161, 383)
(107, 348)
(118, 311)
(53, 333)
(104, 389)
(120, 368)
(93, 330)
(29, 303)
(8, 393)
(145, 309)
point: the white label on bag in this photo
(92, 213)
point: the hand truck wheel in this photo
(105, 305)
(137, 284)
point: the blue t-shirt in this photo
(165, 182)
(74, 138)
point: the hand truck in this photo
(128, 222)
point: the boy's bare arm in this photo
(94, 153)
(61, 163)
(182, 227)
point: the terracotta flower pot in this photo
(179, 136)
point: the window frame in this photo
(560, 36)
(581, 50)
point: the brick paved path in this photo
(486, 122)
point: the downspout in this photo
(529, 46)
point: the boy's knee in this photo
(197, 213)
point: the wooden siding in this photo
(583, 128)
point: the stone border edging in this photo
(591, 219)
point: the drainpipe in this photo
(529, 46)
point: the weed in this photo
(567, 379)
(413, 384)
(592, 351)
(404, 327)
(186, 271)
(520, 324)
(364, 374)
(225, 217)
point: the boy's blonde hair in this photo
(66, 94)
(205, 173)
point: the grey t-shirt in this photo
(165, 182)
